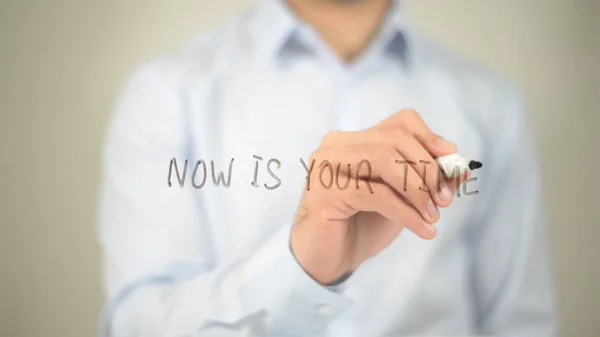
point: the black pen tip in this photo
(473, 165)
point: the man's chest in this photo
(262, 137)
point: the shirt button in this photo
(325, 310)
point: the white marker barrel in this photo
(453, 165)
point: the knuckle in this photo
(315, 155)
(353, 151)
(410, 112)
(392, 136)
(412, 116)
(403, 131)
(378, 135)
(331, 137)
(384, 156)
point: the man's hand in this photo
(363, 188)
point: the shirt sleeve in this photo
(161, 275)
(513, 278)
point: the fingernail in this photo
(445, 193)
(433, 211)
(445, 143)
(430, 230)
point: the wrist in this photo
(318, 264)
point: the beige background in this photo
(62, 63)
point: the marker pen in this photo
(454, 165)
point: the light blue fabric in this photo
(215, 261)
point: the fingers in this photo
(387, 202)
(389, 169)
(371, 164)
(411, 122)
(422, 162)
(396, 133)
(393, 156)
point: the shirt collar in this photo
(274, 25)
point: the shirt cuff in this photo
(294, 301)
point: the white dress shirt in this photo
(215, 260)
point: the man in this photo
(251, 237)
